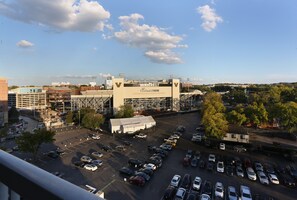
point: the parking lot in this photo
(77, 143)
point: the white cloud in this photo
(209, 17)
(104, 75)
(157, 43)
(62, 15)
(24, 44)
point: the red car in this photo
(186, 162)
(137, 180)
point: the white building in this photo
(131, 125)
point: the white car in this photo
(174, 136)
(97, 154)
(141, 135)
(251, 174)
(273, 179)
(232, 194)
(150, 166)
(212, 158)
(175, 180)
(197, 183)
(222, 146)
(263, 178)
(180, 194)
(219, 190)
(95, 137)
(97, 162)
(91, 167)
(205, 197)
(239, 171)
(245, 193)
(86, 159)
(220, 167)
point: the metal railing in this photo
(22, 180)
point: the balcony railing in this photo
(20, 180)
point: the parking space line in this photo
(113, 180)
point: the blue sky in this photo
(204, 41)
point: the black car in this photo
(53, 154)
(191, 196)
(155, 161)
(160, 155)
(135, 163)
(151, 148)
(143, 175)
(201, 164)
(287, 180)
(127, 143)
(207, 188)
(194, 162)
(230, 170)
(169, 193)
(126, 171)
(147, 171)
(106, 148)
(210, 166)
(186, 182)
(79, 163)
(60, 151)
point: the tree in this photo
(79, 115)
(69, 117)
(3, 132)
(92, 120)
(31, 142)
(13, 115)
(213, 117)
(288, 116)
(125, 111)
(256, 114)
(237, 118)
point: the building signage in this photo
(149, 90)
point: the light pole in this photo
(78, 118)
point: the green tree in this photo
(125, 111)
(79, 115)
(3, 131)
(92, 120)
(288, 117)
(237, 118)
(256, 114)
(69, 117)
(13, 115)
(213, 117)
(31, 142)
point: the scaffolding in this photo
(101, 104)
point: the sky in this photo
(200, 41)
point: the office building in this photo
(3, 101)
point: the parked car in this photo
(135, 163)
(97, 162)
(212, 158)
(143, 175)
(230, 170)
(147, 171)
(95, 137)
(126, 171)
(169, 193)
(194, 162)
(210, 166)
(287, 180)
(222, 146)
(186, 181)
(192, 196)
(180, 194)
(186, 161)
(219, 190)
(258, 166)
(220, 167)
(239, 171)
(141, 135)
(232, 194)
(292, 171)
(120, 148)
(251, 174)
(273, 179)
(150, 166)
(239, 148)
(201, 164)
(97, 154)
(245, 193)
(79, 164)
(197, 183)
(52, 154)
(175, 181)
(205, 197)
(137, 180)
(263, 178)
(86, 159)
(91, 167)
(207, 188)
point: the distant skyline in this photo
(202, 41)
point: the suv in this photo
(181, 193)
(135, 163)
(245, 193)
(186, 181)
(175, 180)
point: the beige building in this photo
(156, 95)
(3, 101)
(30, 98)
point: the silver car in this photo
(239, 171)
(232, 194)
